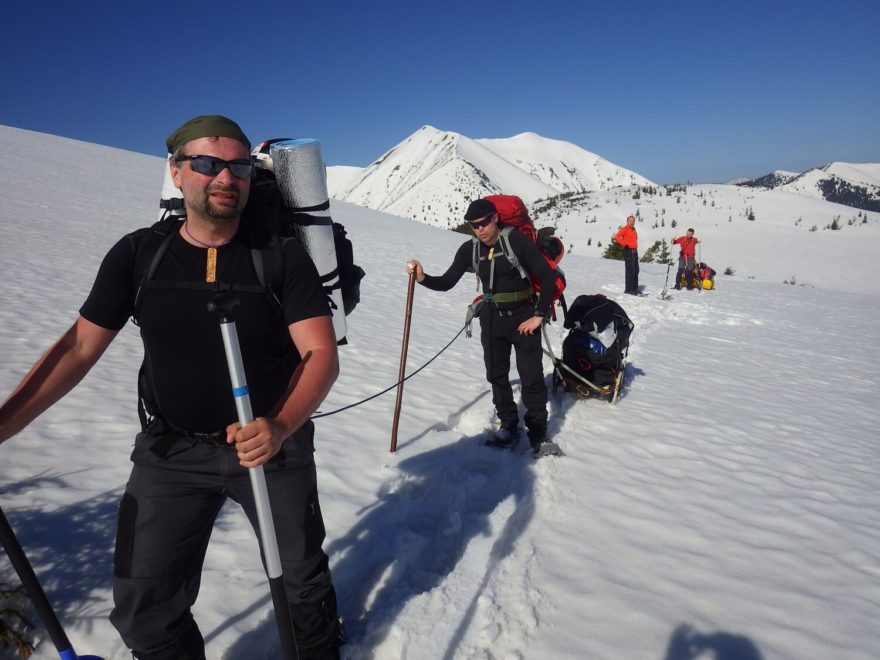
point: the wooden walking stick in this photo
(410, 289)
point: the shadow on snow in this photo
(70, 549)
(687, 644)
(412, 538)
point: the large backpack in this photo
(270, 223)
(274, 223)
(512, 215)
(266, 208)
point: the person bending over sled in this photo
(686, 258)
(509, 318)
(192, 455)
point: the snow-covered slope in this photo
(856, 185)
(852, 184)
(728, 506)
(338, 177)
(432, 175)
(772, 235)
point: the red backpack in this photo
(512, 213)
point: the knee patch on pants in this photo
(316, 626)
(125, 536)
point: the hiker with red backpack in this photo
(686, 258)
(511, 316)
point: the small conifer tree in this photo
(664, 257)
(613, 251)
(652, 252)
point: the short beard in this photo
(223, 214)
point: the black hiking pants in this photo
(631, 270)
(176, 490)
(686, 268)
(498, 335)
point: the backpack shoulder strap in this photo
(509, 253)
(159, 237)
(269, 266)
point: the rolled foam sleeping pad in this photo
(302, 179)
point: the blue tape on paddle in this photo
(240, 391)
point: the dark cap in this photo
(479, 208)
(206, 126)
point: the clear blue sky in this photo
(677, 91)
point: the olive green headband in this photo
(206, 126)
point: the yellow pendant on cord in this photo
(211, 267)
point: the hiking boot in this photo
(504, 438)
(544, 447)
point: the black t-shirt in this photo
(184, 354)
(507, 279)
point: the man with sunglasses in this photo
(192, 455)
(510, 317)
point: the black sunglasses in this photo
(479, 224)
(210, 166)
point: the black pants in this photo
(686, 268)
(498, 335)
(175, 492)
(631, 266)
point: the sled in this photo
(569, 380)
(594, 352)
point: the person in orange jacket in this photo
(686, 258)
(628, 237)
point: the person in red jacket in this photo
(629, 239)
(686, 258)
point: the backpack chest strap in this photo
(162, 285)
(506, 251)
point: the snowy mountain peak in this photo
(433, 174)
(774, 179)
(852, 184)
